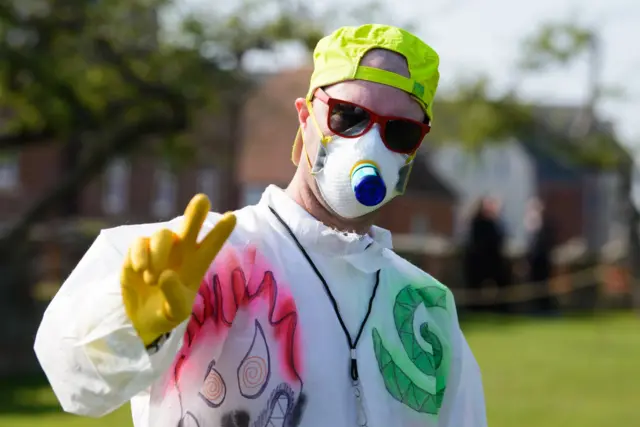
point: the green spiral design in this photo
(403, 384)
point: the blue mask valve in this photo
(367, 184)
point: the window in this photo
(208, 182)
(419, 224)
(165, 193)
(116, 187)
(9, 171)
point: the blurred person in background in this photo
(542, 241)
(291, 312)
(484, 261)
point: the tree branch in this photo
(90, 167)
(50, 22)
(59, 89)
(22, 139)
(109, 55)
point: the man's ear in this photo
(303, 112)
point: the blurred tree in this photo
(102, 80)
(473, 116)
(228, 38)
(475, 113)
(83, 75)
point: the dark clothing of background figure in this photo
(541, 264)
(484, 260)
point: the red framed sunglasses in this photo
(349, 120)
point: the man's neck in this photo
(304, 196)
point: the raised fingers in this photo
(194, 216)
(139, 254)
(209, 248)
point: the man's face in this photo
(382, 99)
(491, 207)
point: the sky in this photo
(483, 36)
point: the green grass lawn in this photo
(544, 373)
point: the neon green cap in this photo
(337, 58)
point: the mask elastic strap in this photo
(303, 148)
(306, 154)
(324, 140)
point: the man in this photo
(485, 263)
(305, 317)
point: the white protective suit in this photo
(264, 346)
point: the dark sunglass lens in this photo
(403, 136)
(348, 119)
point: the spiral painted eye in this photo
(213, 389)
(255, 368)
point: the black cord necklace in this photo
(352, 344)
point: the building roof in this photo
(424, 179)
(559, 135)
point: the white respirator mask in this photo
(357, 176)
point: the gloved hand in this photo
(162, 273)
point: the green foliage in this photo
(250, 25)
(74, 67)
(104, 76)
(78, 67)
(474, 115)
(555, 44)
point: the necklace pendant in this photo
(362, 414)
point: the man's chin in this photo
(368, 217)
(358, 225)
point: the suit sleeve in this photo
(464, 402)
(86, 344)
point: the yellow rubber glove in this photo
(162, 273)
